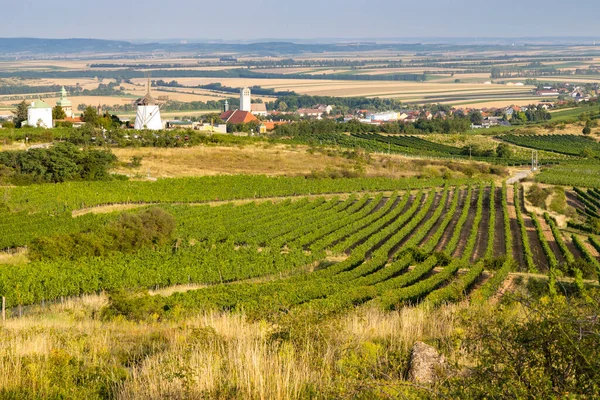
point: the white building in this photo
(259, 109)
(39, 114)
(65, 103)
(384, 116)
(148, 113)
(245, 100)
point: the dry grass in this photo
(17, 257)
(211, 355)
(254, 159)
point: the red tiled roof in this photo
(70, 119)
(238, 117)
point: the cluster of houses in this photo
(148, 113)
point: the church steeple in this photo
(65, 103)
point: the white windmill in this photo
(148, 112)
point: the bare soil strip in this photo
(499, 237)
(539, 257)
(482, 236)
(571, 246)
(514, 228)
(551, 240)
(468, 226)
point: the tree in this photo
(476, 118)
(282, 106)
(504, 151)
(58, 113)
(20, 114)
(587, 130)
(90, 116)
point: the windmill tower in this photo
(245, 100)
(148, 112)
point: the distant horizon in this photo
(310, 19)
(324, 40)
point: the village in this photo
(254, 117)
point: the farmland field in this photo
(374, 233)
(316, 262)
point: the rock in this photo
(426, 364)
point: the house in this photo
(310, 112)
(326, 109)
(238, 117)
(180, 124)
(259, 109)
(383, 117)
(76, 122)
(39, 114)
(221, 128)
(546, 92)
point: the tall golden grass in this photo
(212, 355)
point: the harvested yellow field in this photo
(393, 89)
(496, 103)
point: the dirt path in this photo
(517, 177)
(108, 208)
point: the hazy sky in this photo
(235, 19)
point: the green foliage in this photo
(503, 150)
(583, 174)
(58, 163)
(531, 267)
(550, 354)
(564, 144)
(537, 196)
(130, 232)
(136, 162)
(58, 113)
(20, 114)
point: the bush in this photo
(537, 196)
(136, 162)
(551, 353)
(130, 232)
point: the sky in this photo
(305, 19)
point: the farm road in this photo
(519, 176)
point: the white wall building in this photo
(385, 116)
(245, 100)
(39, 114)
(148, 113)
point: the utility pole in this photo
(534, 160)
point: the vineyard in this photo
(564, 144)
(582, 174)
(401, 243)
